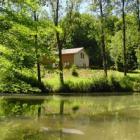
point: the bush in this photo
(74, 71)
(32, 81)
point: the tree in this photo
(138, 21)
(55, 8)
(116, 49)
(103, 38)
(59, 45)
(36, 49)
(25, 34)
(124, 4)
(103, 6)
(138, 13)
(83, 32)
(58, 11)
(124, 37)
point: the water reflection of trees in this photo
(10, 107)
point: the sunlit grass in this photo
(94, 80)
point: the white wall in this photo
(81, 62)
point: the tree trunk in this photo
(59, 45)
(138, 14)
(124, 38)
(103, 39)
(36, 51)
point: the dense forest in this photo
(33, 30)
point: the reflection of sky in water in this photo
(71, 130)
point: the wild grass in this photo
(94, 81)
(87, 81)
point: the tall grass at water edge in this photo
(95, 81)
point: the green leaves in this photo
(58, 29)
(132, 43)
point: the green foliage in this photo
(132, 43)
(84, 33)
(20, 51)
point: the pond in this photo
(81, 118)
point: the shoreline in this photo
(96, 94)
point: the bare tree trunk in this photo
(59, 45)
(138, 14)
(124, 38)
(103, 39)
(36, 51)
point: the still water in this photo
(97, 118)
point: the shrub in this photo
(32, 81)
(74, 71)
(75, 108)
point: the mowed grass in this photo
(93, 81)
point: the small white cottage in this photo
(75, 56)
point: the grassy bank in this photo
(89, 81)
(84, 81)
